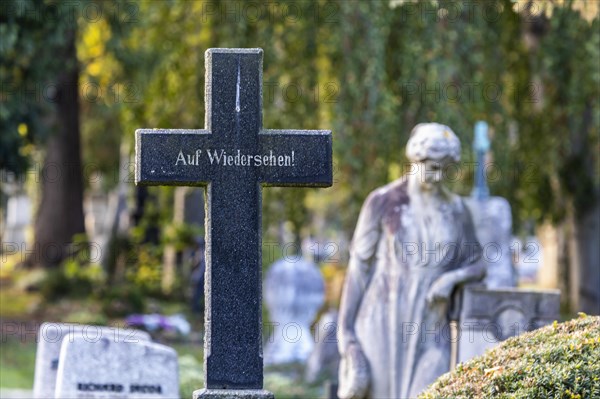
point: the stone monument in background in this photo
(18, 216)
(492, 219)
(494, 311)
(413, 246)
(294, 292)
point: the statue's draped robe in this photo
(400, 247)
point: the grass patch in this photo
(557, 361)
(285, 386)
(17, 362)
(285, 381)
(17, 304)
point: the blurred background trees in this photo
(369, 71)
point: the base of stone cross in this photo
(233, 394)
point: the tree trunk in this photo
(60, 213)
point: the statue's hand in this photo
(354, 374)
(440, 290)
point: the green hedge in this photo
(557, 361)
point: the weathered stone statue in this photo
(414, 244)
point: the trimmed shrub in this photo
(556, 361)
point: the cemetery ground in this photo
(23, 306)
(562, 356)
(558, 358)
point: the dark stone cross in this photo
(233, 157)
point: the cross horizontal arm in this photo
(197, 157)
(302, 158)
(159, 157)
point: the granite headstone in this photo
(233, 157)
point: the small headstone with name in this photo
(50, 339)
(116, 370)
(294, 293)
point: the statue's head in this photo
(432, 147)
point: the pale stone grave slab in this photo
(492, 218)
(116, 370)
(18, 218)
(294, 293)
(493, 226)
(488, 317)
(50, 338)
(233, 157)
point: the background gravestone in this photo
(490, 316)
(497, 311)
(18, 218)
(294, 293)
(50, 339)
(492, 219)
(109, 369)
(493, 226)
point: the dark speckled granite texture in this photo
(233, 157)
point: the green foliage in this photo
(557, 361)
(569, 56)
(58, 285)
(76, 277)
(29, 67)
(286, 387)
(17, 360)
(366, 141)
(191, 376)
(369, 71)
(372, 71)
(146, 269)
(181, 235)
(16, 303)
(85, 316)
(144, 257)
(122, 300)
